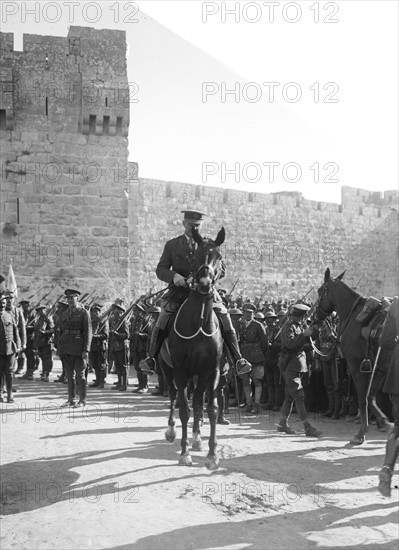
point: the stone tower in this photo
(64, 119)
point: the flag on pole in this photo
(11, 282)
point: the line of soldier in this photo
(118, 344)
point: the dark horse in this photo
(335, 295)
(195, 345)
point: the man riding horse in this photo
(175, 268)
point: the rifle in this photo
(233, 288)
(83, 298)
(37, 292)
(258, 301)
(42, 300)
(358, 283)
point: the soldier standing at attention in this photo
(9, 345)
(44, 336)
(74, 343)
(98, 347)
(118, 345)
(293, 365)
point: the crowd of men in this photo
(88, 337)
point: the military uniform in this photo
(176, 263)
(389, 341)
(329, 367)
(99, 346)
(74, 341)
(119, 345)
(10, 343)
(253, 344)
(293, 366)
(140, 337)
(19, 320)
(275, 388)
(43, 340)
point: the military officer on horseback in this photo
(175, 268)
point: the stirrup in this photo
(365, 366)
(243, 366)
(145, 367)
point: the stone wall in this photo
(280, 243)
(64, 149)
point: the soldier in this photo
(9, 345)
(74, 341)
(253, 343)
(162, 384)
(174, 268)
(223, 295)
(118, 345)
(293, 365)
(99, 344)
(43, 340)
(139, 342)
(30, 354)
(61, 307)
(327, 339)
(389, 341)
(274, 386)
(19, 321)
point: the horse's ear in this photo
(341, 276)
(221, 237)
(196, 235)
(327, 275)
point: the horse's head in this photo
(207, 261)
(325, 305)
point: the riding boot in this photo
(337, 406)
(82, 390)
(230, 338)
(157, 338)
(248, 398)
(119, 383)
(330, 411)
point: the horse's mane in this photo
(340, 282)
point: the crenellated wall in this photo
(278, 242)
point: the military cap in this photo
(193, 215)
(281, 313)
(235, 311)
(24, 302)
(9, 294)
(119, 306)
(222, 290)
(299, 308)
(259, 315)
(138, 306)
(40, 306)
(96, 306)
(270, 315)
(155, 309)
(249, 306)
(72, 292)
(2, 296)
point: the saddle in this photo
(372, 318)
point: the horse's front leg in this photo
(170, 433)
(184, 413)
(361, 383)
(212, 460)
(198, 406)
(382, 420)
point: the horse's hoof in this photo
(185, 460)
(170, 435)
(358, 440)
(212, 463)
(196, 446)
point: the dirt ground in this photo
(105, 477)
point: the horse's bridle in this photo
(319, 308)
(213, 274)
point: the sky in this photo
(261, 96)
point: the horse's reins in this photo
(200, 329)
